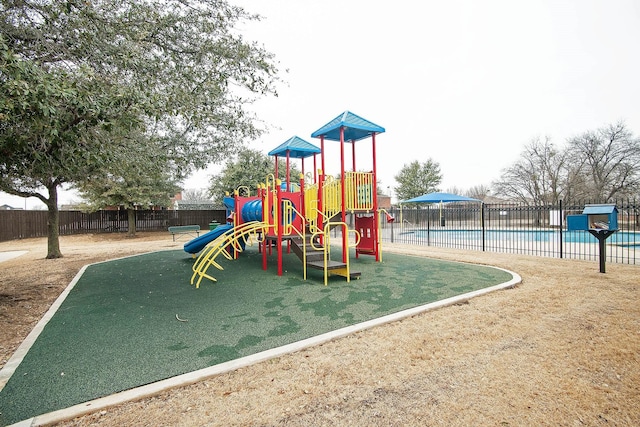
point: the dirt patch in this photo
(562, 348)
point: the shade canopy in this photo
(297, 147)
(440, 198)
(355, 128)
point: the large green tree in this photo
(52, 125)
(75, 71)
(134, 177)
(248, 169)
(416, 179)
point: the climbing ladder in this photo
(226, 245)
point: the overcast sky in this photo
(466, 83)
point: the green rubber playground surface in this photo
(119, 329)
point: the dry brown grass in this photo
(562, 348)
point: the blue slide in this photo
(197, 244)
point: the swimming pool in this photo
(620, 238)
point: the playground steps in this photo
(335, 268)
(315, 258)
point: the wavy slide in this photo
(196, 245)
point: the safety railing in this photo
(358, 195)
(327, 247)
(289, 211)
(331, 197)
(359, 191)
(310, 201)
(243, 190)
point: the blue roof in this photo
(355, 128)
(599, 209)
(297, 147)
(440, 198)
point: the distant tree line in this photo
(601, 165)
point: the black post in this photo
(428, 225)
(602, 236)
(561, 226)
(482, 223)
(602, 254)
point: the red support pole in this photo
(321, 178)
(303, 201)
(237, 219)
(324, 171)
(375, 198)
(342, 197)
(375, 170)
(276, 168)
(315, 169)
(319, 218)
(279, 223)
(353, 155)
(264, 253)
(288, 173)
(263, 244)
(356, 180)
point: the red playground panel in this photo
(365, 225)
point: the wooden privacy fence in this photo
(19, 224)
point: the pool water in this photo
(621, 238)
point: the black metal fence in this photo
(18, 224)
(513, 228)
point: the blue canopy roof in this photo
(440, 197)
(298, 148)
(355, 128)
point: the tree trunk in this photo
(131, 220)
(53, 223)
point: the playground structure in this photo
(303, 212)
